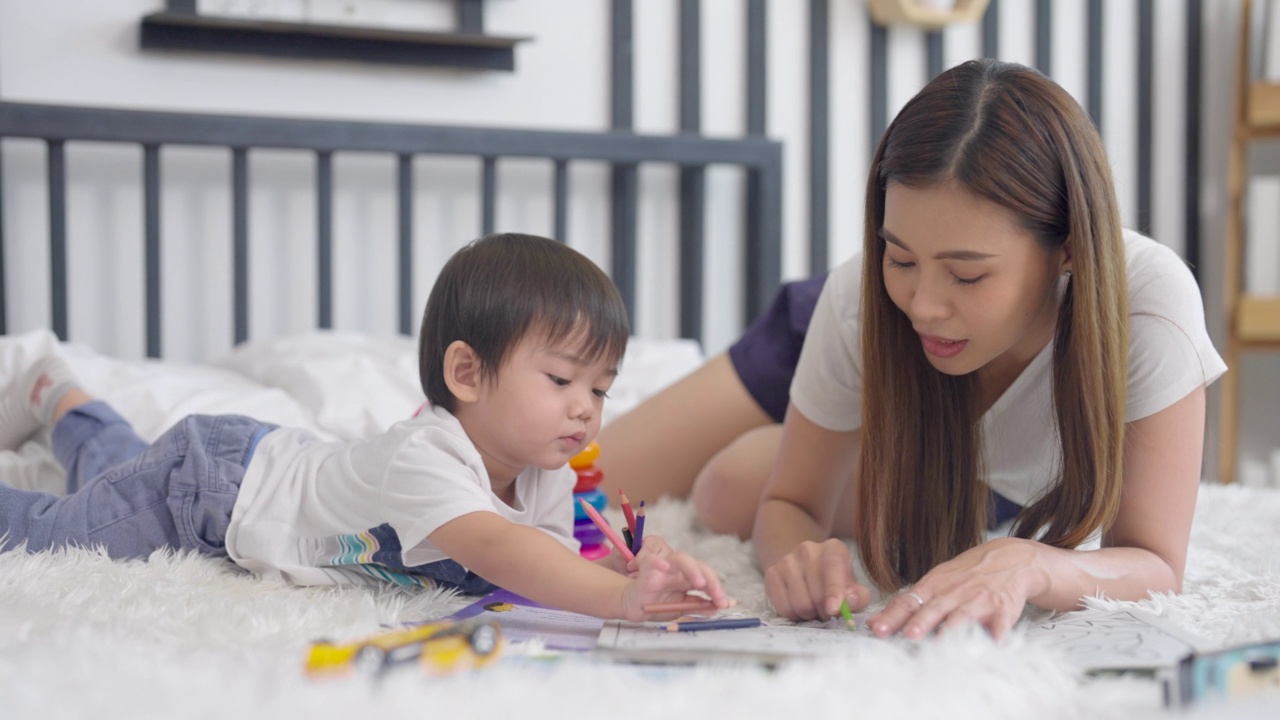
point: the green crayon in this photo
(847, 614)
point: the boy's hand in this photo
(661, 575)
(653, 545)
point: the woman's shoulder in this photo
(1157, 275)
(845, 284)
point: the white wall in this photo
(81, 52)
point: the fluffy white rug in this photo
(183, 636)
(186, 636)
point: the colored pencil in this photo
(687, 606)
(627, 512)
(720, 624)
(847, 614)
(639, 533)
(608, 531)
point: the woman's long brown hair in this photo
(1010, 135)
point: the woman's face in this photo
(979, 290)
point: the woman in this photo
(1014, 354)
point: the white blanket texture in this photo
(184, 636)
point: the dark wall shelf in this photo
(201, 33)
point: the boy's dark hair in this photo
(498, 288)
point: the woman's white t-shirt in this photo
(1170, 354)
(315, 512)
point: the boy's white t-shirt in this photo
(1170, 354)
(315, 512)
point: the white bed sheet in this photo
(337, 384)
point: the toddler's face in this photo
(543, 405)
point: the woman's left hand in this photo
(988, 584)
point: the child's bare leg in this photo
(74, 398)
(659, 447)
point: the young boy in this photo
(520, 343)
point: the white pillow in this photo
(353, 385)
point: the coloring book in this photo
(1127, 640)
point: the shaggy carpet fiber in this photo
(82, 636)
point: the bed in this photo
(187, 636)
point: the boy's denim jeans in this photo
(133, 498)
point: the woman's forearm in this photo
(1118, 573)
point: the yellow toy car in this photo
(439, 648)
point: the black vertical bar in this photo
(1191, 195)
(693, 206)
(240, 241)
(1146, 101)
(693, 212)
(58, 236)
(879, 82)
(471, 17)
(561, 219)
(623, 178)
(4, 310)
(991, 30)
(757, 70)
(324, 238)
(934, 53)
(624, 203)
(757, 121)
(1044, 36)
(690, 65)
(183, 7)
(1094, 52)
(622, 72)
(404, 191)
(819, 136)
(151, 231)
(489, 196)
(764, 248)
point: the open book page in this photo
(1116, 641)
(769, 644)
(1122, 640)
(524, 620)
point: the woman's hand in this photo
(660, 575)
(812, 581)
(988, 584)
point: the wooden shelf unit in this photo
(191, 32)
(1252, 321)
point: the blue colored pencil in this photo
(721, 624)
(639, 533)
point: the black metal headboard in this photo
(760, 158)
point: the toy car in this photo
(439, 648)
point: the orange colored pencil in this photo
(607, 530)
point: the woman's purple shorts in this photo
(766, 354)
